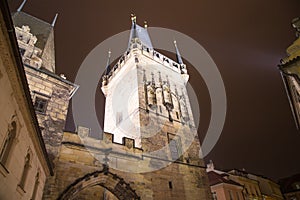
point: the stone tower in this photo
(146, 100)
(50, 93)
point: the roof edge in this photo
(20, 70)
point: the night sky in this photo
(246, 39)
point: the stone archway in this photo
(112, 182)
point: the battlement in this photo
(137, 47)
(82, 136)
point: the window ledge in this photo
(3, 170)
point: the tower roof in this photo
(43, 31)
(139, 32)
(39, 28)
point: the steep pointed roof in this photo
(39, 28)
(44, 33)
(139, 32)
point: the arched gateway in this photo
(112, 182)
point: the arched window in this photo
(25, 171)
(36, 185)
(8, 143)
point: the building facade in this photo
(290, 71)
(144, 152)
(50, 93)
(254, 187)
(223, 188)
(24, 163)
(269, 189)
(149, 150)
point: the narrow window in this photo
(177, 115)
(25, 171)
(136, 59)
(160, 110)
(170, 185)
(8, 143)
(36, 185)
(40, 104)
(175, 146)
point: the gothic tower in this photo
(50, 93)
(147, 101)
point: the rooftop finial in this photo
(133, 18)
(54, 20)
(145, 24)
(21, 6)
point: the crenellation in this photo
(108, 137)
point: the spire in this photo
(133, 27)
(139, 32)
(178, 56)
(21, 6)
(54, 20)
(107, 69)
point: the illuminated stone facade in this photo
(150, 148)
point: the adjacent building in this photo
(229, 184)
(290, 187)
(24, 162)
(222, 187)
(290, 71)
(50, 93)
(269, 189)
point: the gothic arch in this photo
(104, 178)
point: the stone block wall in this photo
(77, 158)
(56, 91)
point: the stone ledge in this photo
(3, 170)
